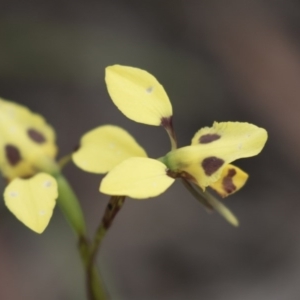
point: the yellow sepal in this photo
(223, 143)
(104, 147)
(138, 95)
(232, 179)
(32, 200)
(27, 142)
(138, 178)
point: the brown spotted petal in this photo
(224, 131)
(27, 142)
(232, 179)
(206, 161)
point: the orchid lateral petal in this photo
(216, 147)
(138, 95)
(138, 178)
(104, 147)
(232, 179)
(27, 142)
(32, 200)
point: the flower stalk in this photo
(113, 207)
(70, 207)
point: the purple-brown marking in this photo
(27, 176)
(111, 211)
(36, 136)
(166, 122)
(227, 181)
(182, 174)
(211, 165)
(208, 138)
(13, 155)
(172, 174)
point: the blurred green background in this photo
(235, 60)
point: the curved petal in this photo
(248, 139)
(206, 160)
(138, 95)
(32, 200)
(232, 179)
(104, 147)
(138, 178)
(25, 138)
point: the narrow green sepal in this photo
(210, 202)
(198, 196)
(219, 207)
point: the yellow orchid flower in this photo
(27, 161)
(131, 173)
(27, 153)
(205, 163)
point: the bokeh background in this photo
(218, 60)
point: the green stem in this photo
(95, 289)
(113, 207)
(71, 209)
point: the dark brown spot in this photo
(36, 136)
(110, 206)
(12, 154)
(208, 138)
(227, 182)
(211, 165)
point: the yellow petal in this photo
(32, 200)
(138, 178)
(138, 94)
(25, 140)
(249, 138)
(232, 179)
(222, 144)
(102, 148)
